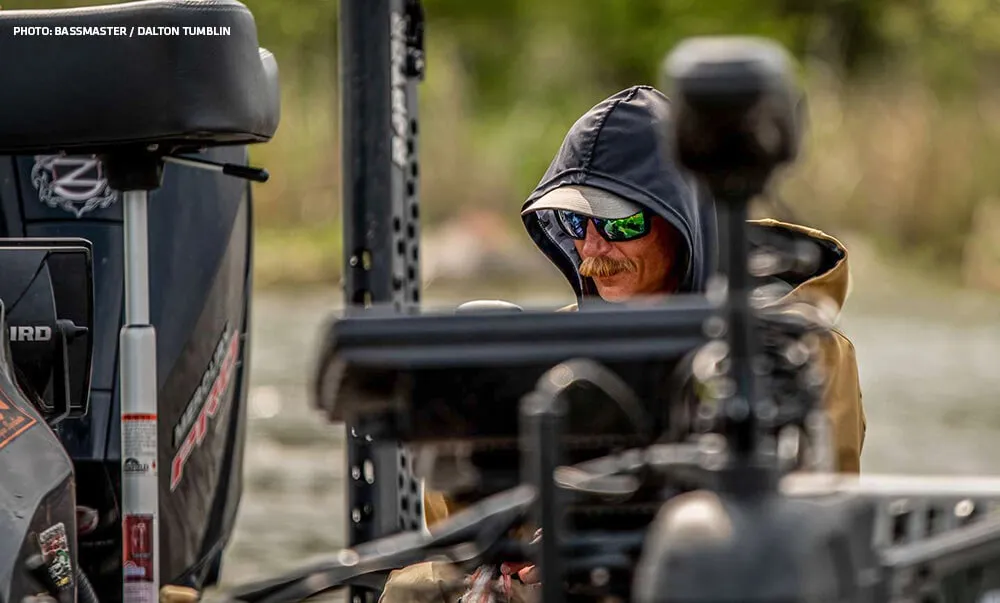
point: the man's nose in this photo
(593, 243)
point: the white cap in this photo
(586, 200)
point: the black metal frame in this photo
(381, 64)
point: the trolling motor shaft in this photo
(735, 124)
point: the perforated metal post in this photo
(381, 63)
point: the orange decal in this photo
(13, 422)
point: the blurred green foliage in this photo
(904, 137)
(620, 41)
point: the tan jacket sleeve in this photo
(436, 507)
(441, 582)
(843, 401)
(428, 582)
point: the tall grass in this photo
(891, 160)
(886, 159)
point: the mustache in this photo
(602, 266)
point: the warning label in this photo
(139, 435)
(13, 422)
(138, 535)
(139, 444)
(139, 592)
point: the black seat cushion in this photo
(91, 79)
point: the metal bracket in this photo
(382, 62)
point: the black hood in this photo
(620, 146)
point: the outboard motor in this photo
(199, 279)
(44, 379)
(141, 163)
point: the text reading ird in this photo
(21, 333)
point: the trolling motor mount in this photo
(736, 111)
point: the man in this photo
(618, 218)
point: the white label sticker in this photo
(139, 444)
(139, 592)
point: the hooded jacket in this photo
(617, 146)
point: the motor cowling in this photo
(48, 292)
(38, 548)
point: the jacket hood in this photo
(824, 282)
(618, 146)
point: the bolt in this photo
(738, 409)
(600, 576)
(715, 327)
(964, 509)
(348, 557)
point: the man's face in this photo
(622, 270)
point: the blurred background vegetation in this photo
(903, 98)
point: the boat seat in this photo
(181, 74)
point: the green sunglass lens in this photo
(624, 229)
